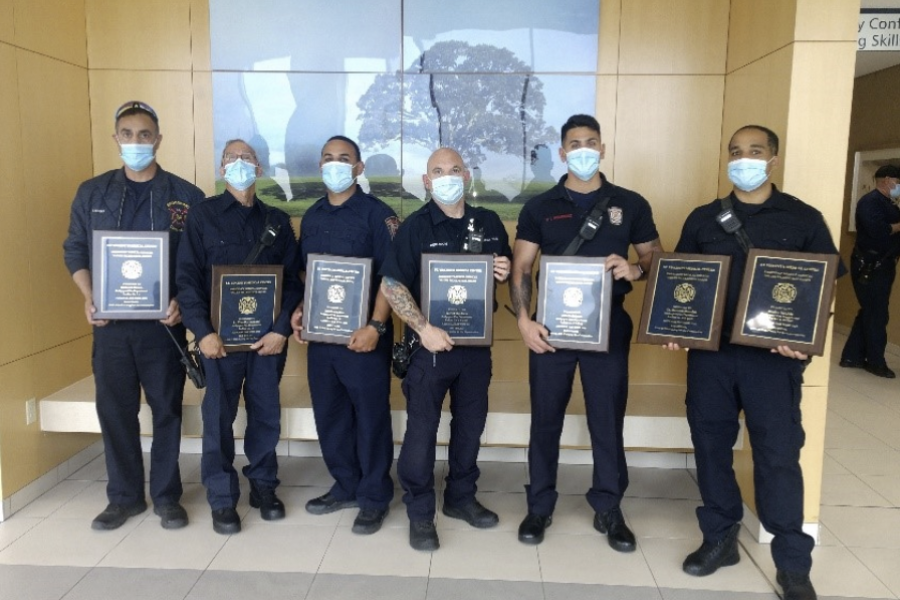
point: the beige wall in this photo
(774, 78)
(667, 98)
(873, 126)
(45, 128)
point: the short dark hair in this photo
(771, 136)
(888, 171)
(342, 138)
(579, 121)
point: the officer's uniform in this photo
(875, 253)
(130, 354)
(552, 220)
(351, 390)
(465, 370)
(223, 232)
(765, 385)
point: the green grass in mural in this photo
(306, 190)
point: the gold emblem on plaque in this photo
(685, 292)
(247, 305)
(784, 293)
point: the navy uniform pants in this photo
(604, 378)
(465, 372)
(868, 337)
(351, 404)
(258, 377)
(126, 356)
(766, 387)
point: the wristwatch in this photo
(640, 269)
(379, 326)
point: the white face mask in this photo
(895, 191)
(583, 163)
(447, 189)
(747, 174)
(337, 176)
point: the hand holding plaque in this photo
(336, 299)
(130, 274)
(685, 300)
(458, 296)
(246, 300)
(785, 300)
(575, 302)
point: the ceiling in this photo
(869, 62)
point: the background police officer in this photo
(224, 231)
(873, 270)
(129, 355)
(765, 384)
(549, 223)
(350, 385)
(441, 227)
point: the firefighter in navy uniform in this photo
(873, 270)
(350, 385)
(765, 384)
(131, 354)
(230, 229)
(445, 225)
(584, 215)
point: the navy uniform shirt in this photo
(362, 227)
(108, 203)
(553, 219)
(221, 231)
(429, 231)
(782, 222)
(875, 214)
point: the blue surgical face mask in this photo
(337, 176)
(895, 191)
(240, 175)
(447, 189)
(136, 157)
(747, 174)
(583, 163)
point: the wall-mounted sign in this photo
(879, 30)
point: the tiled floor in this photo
(48, 551)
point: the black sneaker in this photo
(423, 536)
(474, 514)
(707, 559)
(327, 503)
(369, 520)
(226, 521)
(880, 371)
(115, 515)
(171, 516)
(612, 523)
(270, 507)
(795, 586)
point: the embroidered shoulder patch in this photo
(393, 224)
(178, 212)
(615, 215)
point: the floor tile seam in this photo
(87, 571)
(22, 534)
(325, 553)
(874, 574)
(849, 469)
(860, 480)
(759, 568)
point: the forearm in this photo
(399, 299)
(520, 293)
(82, 279)
(382, 310)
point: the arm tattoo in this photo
(403, 304)
(520, 294)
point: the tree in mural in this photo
(471, 98)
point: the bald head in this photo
(445, 161)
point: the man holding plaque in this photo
(873, 270)
(764, 383)
(350, 384)
(445, 225)
(132, 354)
(583, 215)
(236, 228)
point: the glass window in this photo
(494, 82)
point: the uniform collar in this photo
(439, 216)
(352, 202)
(560, 192)
(777, 200)
(227, 202)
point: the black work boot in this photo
(707, 559)
(795, 586)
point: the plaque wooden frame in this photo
(100, 274)
(313, 261)
(600, 341)
(220, 273)
(429, 261)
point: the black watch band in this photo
(379, 326)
